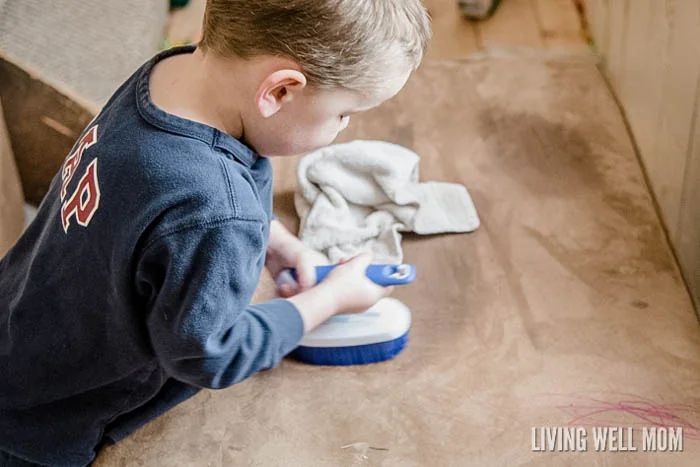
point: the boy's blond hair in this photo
(352, 44)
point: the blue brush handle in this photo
(381, 274)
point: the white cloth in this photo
(357, 197)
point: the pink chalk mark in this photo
(591, 411)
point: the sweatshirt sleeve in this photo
(198, 283)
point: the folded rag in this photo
(357, 197)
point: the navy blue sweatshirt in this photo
(131, 289)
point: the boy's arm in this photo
(199, 282)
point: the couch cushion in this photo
(87, 49)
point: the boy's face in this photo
(312, 118)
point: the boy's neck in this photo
(190, 86)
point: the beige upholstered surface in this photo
(565, 307)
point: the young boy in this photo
(131, 290)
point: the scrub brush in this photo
(378, 334)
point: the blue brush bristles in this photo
(350, 355)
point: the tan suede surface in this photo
(564, 308)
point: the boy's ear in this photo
(279, 87)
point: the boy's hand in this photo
(354, 291)
(286, 251)
(346, 290)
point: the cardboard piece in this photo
(43, 122)
(11, 198)
(59, 63)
